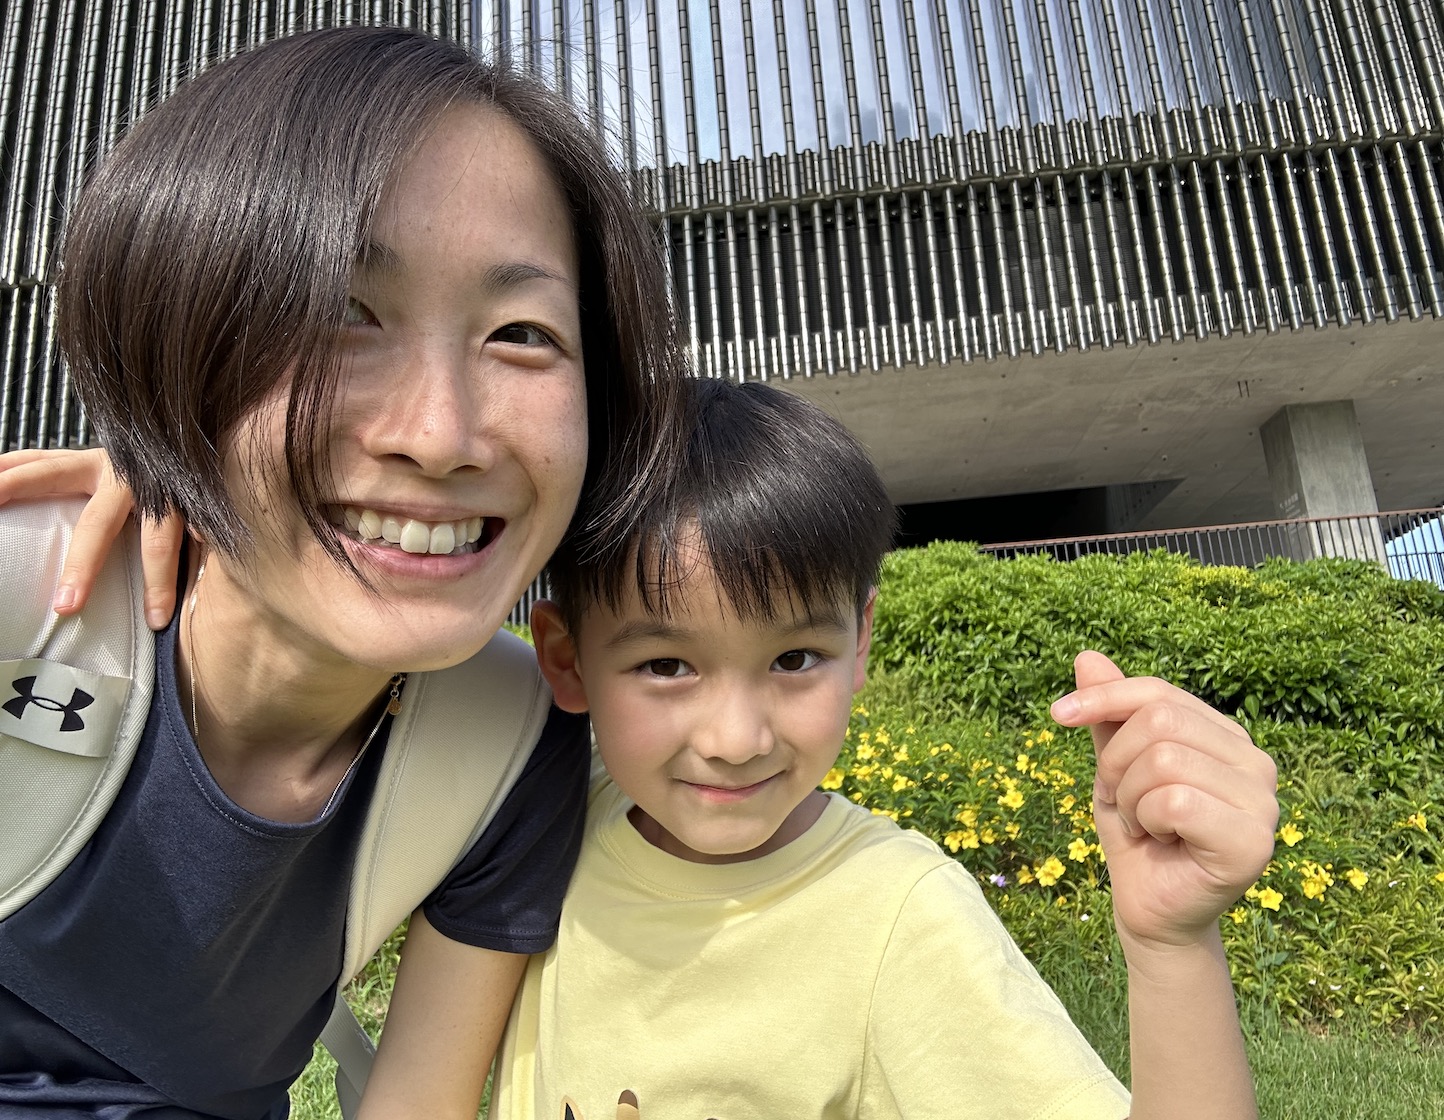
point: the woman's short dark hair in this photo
(212, 253)
(789, 510)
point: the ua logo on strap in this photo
(25, 696)
(61, 707)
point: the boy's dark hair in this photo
(789, 509)
(211, 255)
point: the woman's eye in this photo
(359, 315)
(796, 660)
(667, 667)
(522, 334)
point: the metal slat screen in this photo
(862, 184)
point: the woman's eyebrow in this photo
(374, 257)
(511, 274)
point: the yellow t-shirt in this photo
(857, 972)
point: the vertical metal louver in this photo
(853, 184)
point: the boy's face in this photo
(719, 729)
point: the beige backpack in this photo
(74, 695)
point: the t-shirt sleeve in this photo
(963, 1026)
(506, 892)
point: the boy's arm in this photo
(448, 1009)
(1185, 809)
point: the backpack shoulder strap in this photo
(461, 740)
(74, 695)
(455, 750)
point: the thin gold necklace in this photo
(392, 708)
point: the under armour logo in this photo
(25, 696)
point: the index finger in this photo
(1117, 700)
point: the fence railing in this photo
(1410, 543)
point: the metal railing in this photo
(1410, 543)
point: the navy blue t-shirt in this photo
(185, 962)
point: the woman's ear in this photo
(556, 653)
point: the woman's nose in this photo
(432, 413)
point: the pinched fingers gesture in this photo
(31, 475)
(1183, 801)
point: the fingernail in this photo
(1066, 708)
(1102, 793)
(64, 598)
(156, 618)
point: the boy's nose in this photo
(736, 729)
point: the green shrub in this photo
(1328, 643)
(1337, 670)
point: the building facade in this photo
(1065, 265)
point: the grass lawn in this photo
(1357, 1075)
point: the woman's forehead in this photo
(475, 193)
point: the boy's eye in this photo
(359, 315)
(667, 667)
(796, 660)
(522, 334)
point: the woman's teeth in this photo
(439, 538)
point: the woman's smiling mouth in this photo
(409, 534)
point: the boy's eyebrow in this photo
(654, 629)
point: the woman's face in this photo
(459, 435)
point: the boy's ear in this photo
(864, 642)
(556, 653)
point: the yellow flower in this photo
(1356, 878)
(900, 755)
(833, 779)
(900, 783)
(1023, 762)
(1066, 805)
(988, 836)
(1078, 851)
(1417, 820)
(1024, 876)
(865, 752)
(967, 815)
(1439, 877)
(1269, 899)
(1237, 914)
(961, 838)
(1290, 834)
(1012, 829)
(1045, 736)
(1013, 799)
(892, 813)
(1316, 879)
(1050, 871)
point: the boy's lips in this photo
(726, 793)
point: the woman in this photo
(371, 317)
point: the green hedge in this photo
(1337, 670)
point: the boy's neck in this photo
(802, 818)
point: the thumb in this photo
(1091, 667)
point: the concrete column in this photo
(1318, 469)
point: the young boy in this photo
(738, 944)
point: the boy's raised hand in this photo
(32, 474)
(1183, 801)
